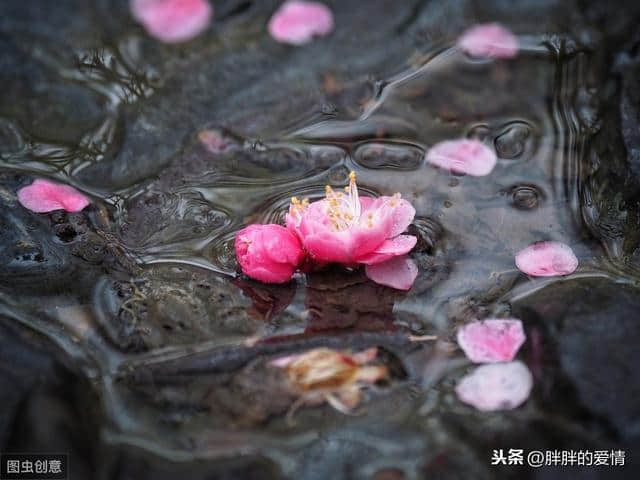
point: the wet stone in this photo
(155, 311)
(595, 355)
(160, 348)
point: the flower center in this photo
(343, 209)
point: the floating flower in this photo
(349, 229)
(491, 340)
(497, 386)
(269, 253)
(341, 228)
(172, 21)
(467, 156)
(323, 374)
(547, 259)
(45, 196)
(489, 40)
(297, 22)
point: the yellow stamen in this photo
(343, 210)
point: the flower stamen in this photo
(298, 208)
(344, 211)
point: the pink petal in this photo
(547, 259)
(366, 202)
(398, 273)
(463, 156)
(215, 141)
(367, 238)
(497, 386)
(282, 247)
(492, 340)
(393, 247)
(330, 247)
(297, 22)
(402, 217)
(172, 21)
(489, 40)
(374, 226)
(45, 196)
(398, 246)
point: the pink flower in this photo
(490, 40)
(45, 196)
(297, 22)
(349, 229)
(547, 259)
(342, 228)
(172, 21)
(492, 340)
(269, 253)
(468, 156)
(497, 386)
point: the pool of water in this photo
(130, 340)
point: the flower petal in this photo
(215, 141)
(330, 247)
(490, 40)
(297, 22)
(374, 227)
(45, 196)
(497, 386)
(282, 245)
(403, 215)
(491, 340)
(172, 21)
(400, 245)
(366, 202)
(468, 156)
(398, 273)
(546, 259)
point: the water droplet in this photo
(525, 197)
(512, 142)
(388, 155)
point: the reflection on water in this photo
(140, 292)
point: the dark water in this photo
(128, 339)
